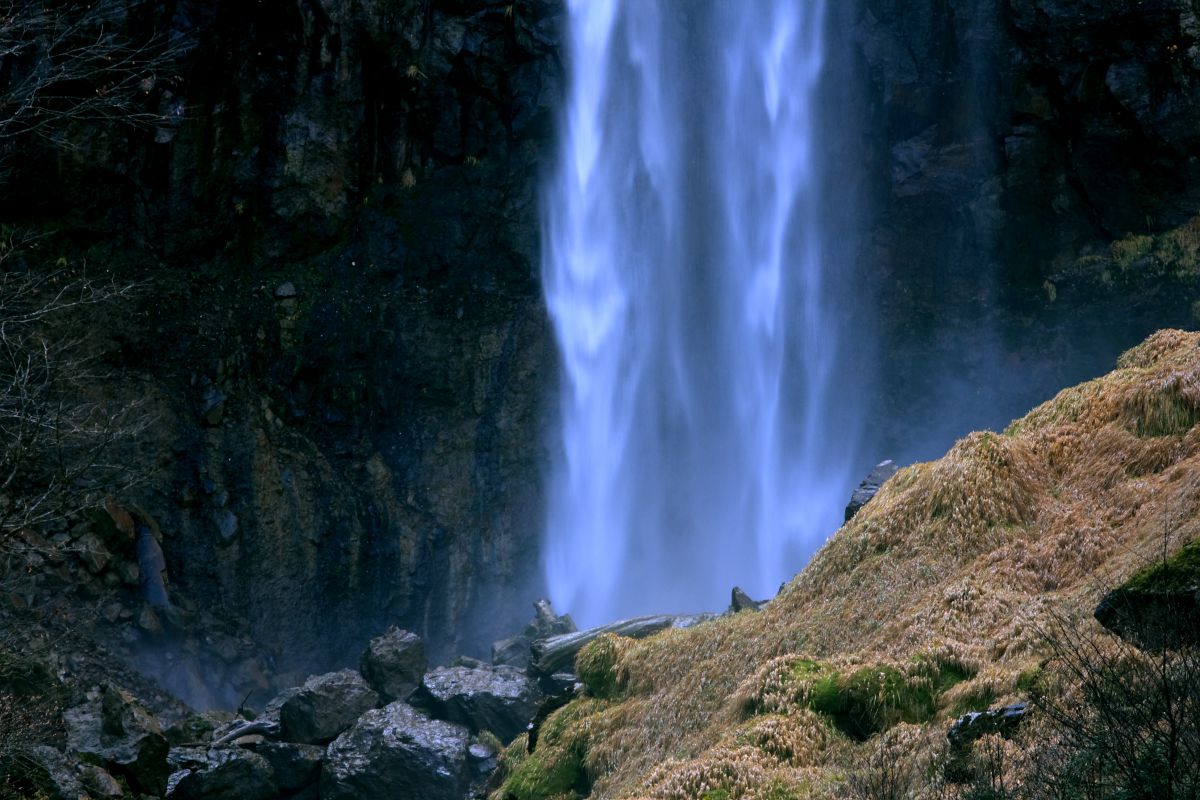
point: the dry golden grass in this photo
(964, 562)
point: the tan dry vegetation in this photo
(932, 601)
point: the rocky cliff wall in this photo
(1008, 144)
(339, 331)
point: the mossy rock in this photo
(598, 665)
(1159, 607)
(556, 768)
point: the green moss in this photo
(547, 773)
(1031, 680)
(873, 699)
(596, 665)
(1180, 572)
(556, 767)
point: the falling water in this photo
(687, 278)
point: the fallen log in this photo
(557, 653)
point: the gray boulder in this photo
(740, 601)
(113, 731)
(325, 706)
(64, 777)
(228, 773)
(498, 699)
(971, 726)
(867, 490)
(394, 663)
(397, 751)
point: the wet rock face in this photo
(396, 751)
(348, 424)
(114, 730)
(1007, 142)
(325, 706)
(302, 110)
(394, 663)
(869, 487)
(497, 699)
(226, 774)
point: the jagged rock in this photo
(113, 730)
(394, 663)
(498, 699)
(231, 773)
(55, 773)
(93, 553)
(64, 777)
(515, 650)
(325, 706)
(295, 765)
(285, 290)
(971, 726)
(1159, 607)
(870, 486)
(557, 653)
(741, 601)
(397, 751)
(98, 782)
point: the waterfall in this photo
(702, 438)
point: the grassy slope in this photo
(932, 601)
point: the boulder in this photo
(98, 782)
(397, 751)
(971, 726)
(228, 773)
(325, 706)
(740, 601)
(112, 730)
(1159, 607)
(53, 773)
(63, 777)
(870, 486)
(394, 663)
(498, 699)
(515, 650)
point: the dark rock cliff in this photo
(340, 339)
(1008, 144)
